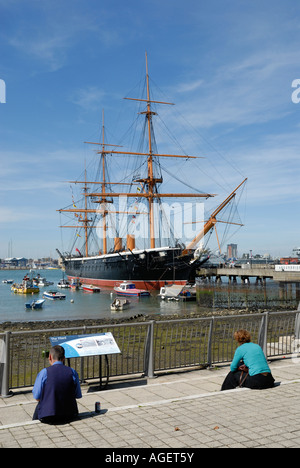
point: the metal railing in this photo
(149, 347)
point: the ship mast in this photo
(151, 181)
(86, 220)
(102, 200)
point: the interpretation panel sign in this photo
(86, 345)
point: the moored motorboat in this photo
(128, 289)
(173, 292)
(120, 304)
(54, 295)
(26, 287)
(43, 282)
(91, 288)
(63, 284)
(35, 304)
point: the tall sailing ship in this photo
(125, 210)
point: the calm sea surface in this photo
(80, 305)
(84, 306)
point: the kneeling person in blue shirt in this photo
(56, 389)
(251, 355)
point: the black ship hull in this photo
(148, 269)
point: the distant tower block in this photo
(232, 251)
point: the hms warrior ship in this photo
(148, 266)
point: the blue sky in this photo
(228, 66)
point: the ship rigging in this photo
(133, 198)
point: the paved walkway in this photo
(175, 411)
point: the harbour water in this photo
(80, 305)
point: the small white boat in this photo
(120, 304)
(8, 281)
(129, 289)
(43, 282)
(63, 284)
(91, 288)
(54, 295)
(35, 304)
(174, 292)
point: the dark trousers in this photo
(256, 382)
(53, 419)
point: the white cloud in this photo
(11, 215)
(253, 90)
(47, 32)
(189, 86)
(88, 98)
(40, 173)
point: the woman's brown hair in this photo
(242, 336)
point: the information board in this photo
(86, 345)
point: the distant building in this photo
(232, 251)
(19, 262)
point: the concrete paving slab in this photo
(184, 410)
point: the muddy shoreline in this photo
(47, 325)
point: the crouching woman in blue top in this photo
(252, 356)
(56, 389)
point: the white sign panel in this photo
(86, 345)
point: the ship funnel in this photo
(118, 244)
(130, 242)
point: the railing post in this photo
(82, 361)
(149, 352)
(263, 333)
(297, 324)
(209, 345)
(5, 364)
